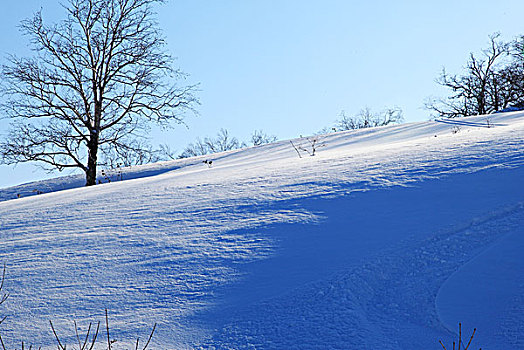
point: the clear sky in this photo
(290, 67)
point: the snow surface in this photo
(386, 239)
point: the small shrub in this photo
(460, 343)
(87, 344)
(455, 129)
(311, 145)
(84, 342)
(3, 296)
(489, 124)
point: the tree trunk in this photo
(92, 160)
(94, 137)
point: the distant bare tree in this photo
(366, 118)
(514, 74)
(258, 137)
(197, 148)
(222, 142)
(491, 82)
(517, 49)
(98, 79)
(133, 152)
(165, 152)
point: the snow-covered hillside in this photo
(385, 239)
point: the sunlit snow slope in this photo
(385, 239)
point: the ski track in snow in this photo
(182, 245)
(487, 291)
(386, 303)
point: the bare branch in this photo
(60, 346)
(4, 295)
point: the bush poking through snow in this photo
(460, 344)
(3, 296)
(489, 124)
(84, 342)
(89, 344)
(310, 147)
(296, 149)
(89, 340)
(313, 144)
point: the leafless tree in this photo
(193, 149)
(222, 142)
(491, 82)
(517, 49)
(366, 118)
(259, 137)
(166, 153)
(97, 80)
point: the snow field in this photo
(374, 243)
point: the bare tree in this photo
(197, 148)
(259, 137)
(366, 118)
(165, 152)
(222, 142)
(97, 80)
(491, 82)
(514, 74)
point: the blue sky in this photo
(290, 66)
